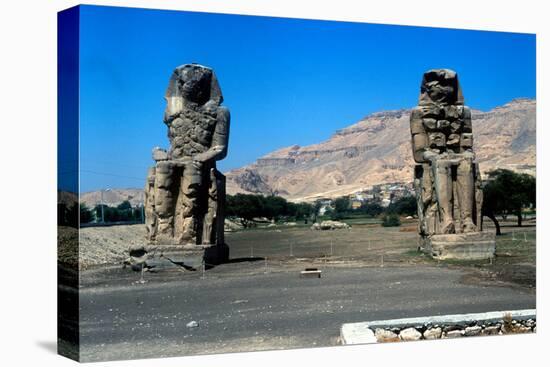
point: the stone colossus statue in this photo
(184, 193)
(447, 178)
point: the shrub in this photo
(391, 220)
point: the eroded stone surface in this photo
(472, 331)
(410, 334)
(184, 192)
(491, 330)
(385, 336)
(446, 326)
(447, 178)
(466, 246)
(432, 333)
(454, 334)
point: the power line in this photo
(112, 174)
(95, 161)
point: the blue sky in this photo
(285, 81)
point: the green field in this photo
(367, 243)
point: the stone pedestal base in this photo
(189, 256)
(461, 246)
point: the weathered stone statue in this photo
(184, 193)
(447, 179)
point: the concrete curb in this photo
(363, 332)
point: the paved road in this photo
(124, 320)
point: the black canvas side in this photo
(68, 329)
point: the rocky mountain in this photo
(66, 198)
(377, 150)
(112, 197)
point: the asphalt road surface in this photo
(240, 311)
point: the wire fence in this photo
(388, 247)
(265, 252)
(345, 244)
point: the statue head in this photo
(440, 86)
(191, 83)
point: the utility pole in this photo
(102, 210)
(102, 206)
(142, 207)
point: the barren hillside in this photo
(377, 150)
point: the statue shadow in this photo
(208, 266)
(524, 225)
(244, 259)
(183, 265)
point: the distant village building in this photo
(382, 194)
(356, 204)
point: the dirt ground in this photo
(257, 301)
(366, 243)
(238, 307)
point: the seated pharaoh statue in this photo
(447, 179)
(184, 192)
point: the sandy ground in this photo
(257, 301)
(100, 245)
(366, 244)
(239, 307)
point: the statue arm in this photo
(220, 138)
(419, 137)
(467, 137)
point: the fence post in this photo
(141, 279)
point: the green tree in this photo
(125, 205)
(329, 212)
(342, 204)
(303, 211)
(109, 213)
(507, 192)
(371, 209)
(315, 210)
(341, 208)
(67, 215)
(246, 207)
(86, 215)
(404, 206)
(274, 207)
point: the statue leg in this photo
(427, 211)
(220, 208)
(186, 231)
(444, 195)
(429, 202)
(478, 197)
(209, 221)
(149, 206)
(164, 200)
(465, 194)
